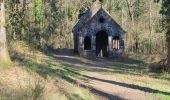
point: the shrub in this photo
(161, 66)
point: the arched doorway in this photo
(102, 44)
(87, 43)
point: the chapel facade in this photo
(97, 34)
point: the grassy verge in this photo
(37, 76)
(5, 65)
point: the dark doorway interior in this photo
(102, 44)
(87, 43)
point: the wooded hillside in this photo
(49, 23)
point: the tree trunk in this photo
(130, 5)
(150, 27)
(168, 43)
(4, 56)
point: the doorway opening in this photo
(102, 44)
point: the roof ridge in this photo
(91, 12)
(95, 7)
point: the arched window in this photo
(87, 43)
(116, 43)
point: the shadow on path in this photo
(101, 93)
(128, 66)
(126, 85)
(131, 86)
(92, 89)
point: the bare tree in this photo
(168, 41)
(150, 26)
(131, 11)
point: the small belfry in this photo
(97, 34)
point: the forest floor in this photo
(65, 76)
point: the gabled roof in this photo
(94, 9)
(87, 16)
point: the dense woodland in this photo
(141, 20)
(47, 24)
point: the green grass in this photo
(5, 65)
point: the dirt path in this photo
(114, 92)
(105, 84)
